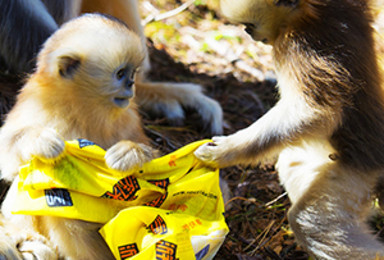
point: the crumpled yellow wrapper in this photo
(170, 208)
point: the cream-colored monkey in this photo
(165, 98)
(327, 127)
(83, 87)
(42, 17)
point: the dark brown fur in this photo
(328, 126)
(337, 68)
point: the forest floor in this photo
(197, 45)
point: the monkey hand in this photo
(220, 153)
(45, 144)
(126, 155)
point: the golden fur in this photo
(161, 98)
(82, 88)
(42, 17)
(327, 127)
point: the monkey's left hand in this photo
(222, 152)
(126, 155)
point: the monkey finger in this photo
(206, 153)
(211, 114)
(48, 145)
(173, 111)
(126, 155)
(219, 139)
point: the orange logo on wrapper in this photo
(160, 183)
(128, 251)
(125, 189)
(172, 161)
(158, 226)
(165, 250)
(156, 203)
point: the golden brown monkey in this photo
(82, 88)
(327, 127)
(162, 98)
(42, 17)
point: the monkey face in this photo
(93, 57)
(122, 81)
(263, 19)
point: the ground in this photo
(198, 45)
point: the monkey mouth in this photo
(121, 102)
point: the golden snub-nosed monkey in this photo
(83, 87)
(328, 126)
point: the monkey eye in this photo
(249, 28)
(249, 25)
(120, 74)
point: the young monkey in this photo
(42, 17)
(83, 87)
(327, 127)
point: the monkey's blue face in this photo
(123, 82)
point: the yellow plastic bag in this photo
(175, 194)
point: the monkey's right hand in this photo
(45, 144)
(222, 152)
(125, 155)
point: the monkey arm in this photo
(284, 124)
(24, 26)
(20, 144)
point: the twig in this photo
(181, 8)
(239, 198)
(276, 199)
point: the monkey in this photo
(40, 18)
(327, 128)
(82, 87)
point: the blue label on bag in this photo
(58, 198)
(202, 253)
(84, 143)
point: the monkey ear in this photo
(68, 65)
(291, 3)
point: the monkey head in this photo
(263, 19)
(94, 57)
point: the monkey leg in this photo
(21, 239)
(330, 204)
(51, 238)
(75, 239)
(169, 99)
(21, 242)
(45, 237)
(8, 246)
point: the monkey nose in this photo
(129, 83)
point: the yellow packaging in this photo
(170, 208)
